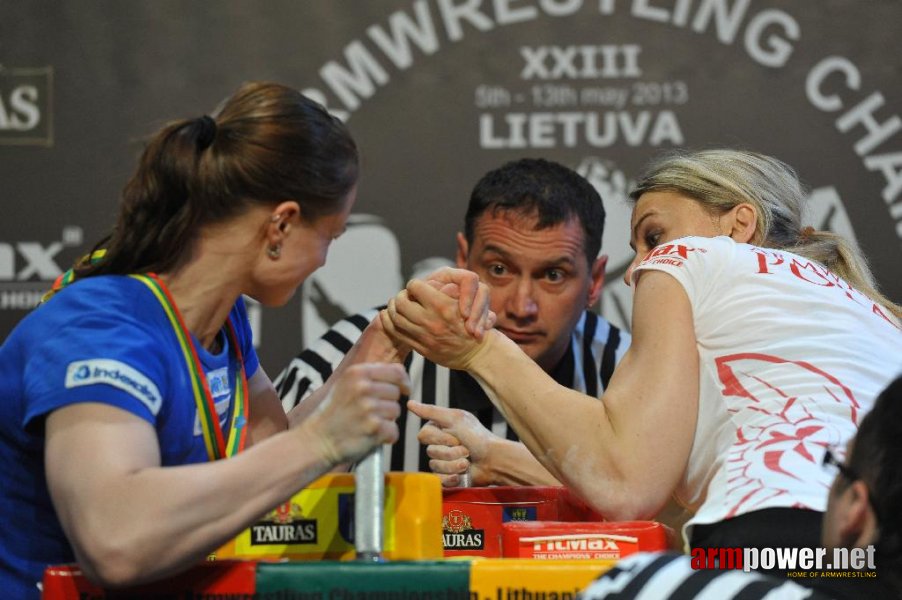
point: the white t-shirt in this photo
(790, 359)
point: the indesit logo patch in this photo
(117, 374)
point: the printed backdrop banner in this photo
(437, 92)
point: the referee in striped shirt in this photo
(532, 233)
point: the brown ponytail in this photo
(266, 143)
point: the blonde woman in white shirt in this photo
(757, 344)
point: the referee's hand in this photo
(457, 444)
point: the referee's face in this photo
(540, 279)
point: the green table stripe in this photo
(420, 580)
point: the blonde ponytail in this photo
(845, 259)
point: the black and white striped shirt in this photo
(595, 348)
(670, 576)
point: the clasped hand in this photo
(443, 317)
(360, 412)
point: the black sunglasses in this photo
(850, 475)
(847, 472)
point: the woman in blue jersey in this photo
(122, 392)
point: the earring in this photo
(274, 252)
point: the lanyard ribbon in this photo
(69, 276)
(214, 440)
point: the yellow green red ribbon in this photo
(214, 439)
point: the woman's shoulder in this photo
(98, 302)
(111, 283)
(691, 253)
(720, 244)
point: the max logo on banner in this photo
(28, 268)
(34, 260)
(26, 117)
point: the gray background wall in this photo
(436, 93)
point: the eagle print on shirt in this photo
(780, 441)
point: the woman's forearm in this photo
(129, 524)
(511, 463)
(372, 346)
